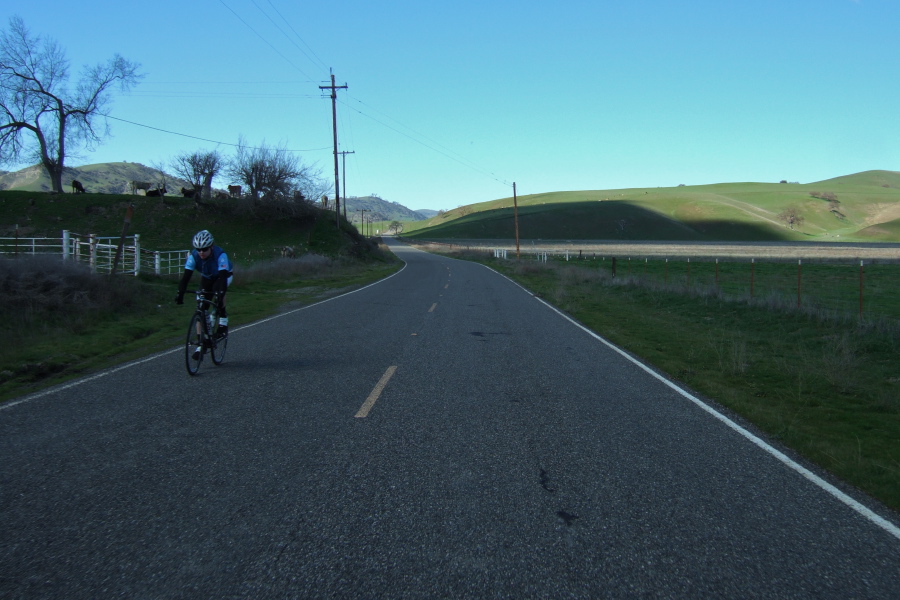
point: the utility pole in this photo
(516, 218)
(344, 171)
(337, 187)
(362, 220)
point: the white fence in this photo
(99, 252)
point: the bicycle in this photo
(202, 335)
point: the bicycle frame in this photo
(202, 334)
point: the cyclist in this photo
(216, 272)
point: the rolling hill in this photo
(860, 207)
(101, 178)
(115, 178)
(378, 209)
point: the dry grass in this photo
(289, 268)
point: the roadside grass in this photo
(58, 321)
(824, 384)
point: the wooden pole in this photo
(128, 214)
(516, 218)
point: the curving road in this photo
(442, 433)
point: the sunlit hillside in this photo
(860, 207)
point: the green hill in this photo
(101, 178)
(250, 231)
(378, 209)
(860, 207)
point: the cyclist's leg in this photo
(206, 286)
(223, 312)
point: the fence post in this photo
(799, 269)
(137, 254)
(666, 276)
(65, 244)
(614, 267)
(717, 274)
(93, 259)
(157, 266)
(689, 273)
(752, 275)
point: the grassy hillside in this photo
(101, 178)
(860, 207)
(249, 231)
(378, 209)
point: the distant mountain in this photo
(101, 178)
(426, 213)
(379, 209)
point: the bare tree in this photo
(791, 217)
(312, 185)
(270, 172)
(36, 100)
(199, 168)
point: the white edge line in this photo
(76, 383)
(783, 458)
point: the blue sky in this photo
(448, 103)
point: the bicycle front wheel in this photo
(193, 346)
(218, 347)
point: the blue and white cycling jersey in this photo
(209, 268)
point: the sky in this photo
(449, 103)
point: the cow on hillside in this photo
(188, 193)
(140, 185)
(157, 192)
(77, 188)
(235, 191)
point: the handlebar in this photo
(202, 299)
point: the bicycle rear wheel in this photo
(218, 346)
(193, 346)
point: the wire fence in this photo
(860, 288)
(99, 253)
(864, 288)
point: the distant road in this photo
(442, 433)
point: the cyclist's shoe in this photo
(196, 355)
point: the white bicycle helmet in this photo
(203, 239)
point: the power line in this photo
(448, 153)
(193, 137)
(265, 40)
(231, 95)
(323, 65)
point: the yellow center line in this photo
(433, 306)
(379, 387)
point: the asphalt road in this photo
(504, 453)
